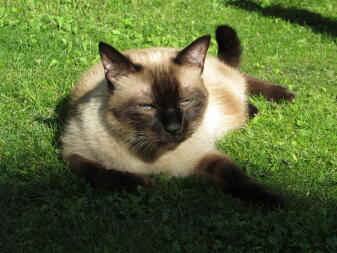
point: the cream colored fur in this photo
(86, 135)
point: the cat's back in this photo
(89, 80)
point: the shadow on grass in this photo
(57, 122)
(68, 213)
(54, 206)
(316, 22)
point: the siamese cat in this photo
(161, 110)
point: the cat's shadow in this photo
(58, 121)
(189, 192)
(317, 22)
(169, 208)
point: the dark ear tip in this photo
(204, 40)
(206, 37)
(102, 45)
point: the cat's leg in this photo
(99, 176)
(271, 91)
(223, 172)
(229, 52)
(252, 110)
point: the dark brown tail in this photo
(229, 45)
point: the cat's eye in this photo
(146, 107)
(186, 102)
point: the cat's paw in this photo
(277, 93)
(144, 181)
(149, 183)
(252, 111)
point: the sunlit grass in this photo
(45, 45)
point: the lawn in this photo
(291, 147)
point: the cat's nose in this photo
(173, 128)
(172, 121)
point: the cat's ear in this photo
(195, 53)
(114, 62)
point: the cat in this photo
(161, 110)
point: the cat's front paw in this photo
(277, 93)
(143, 181)
(252, 111)
(149, 183)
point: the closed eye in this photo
(146, 107)
(186, 102)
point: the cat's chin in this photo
(169, 145)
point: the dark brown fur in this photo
(228, 176)
(121, 63)
(98, 176)
(201, 46)
(252, 110)
(270, 91)
(229, 46)
(171, 116)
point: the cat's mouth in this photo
(172, 143)
(169, 145)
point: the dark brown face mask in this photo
(173, 111)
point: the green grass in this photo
(45, 45)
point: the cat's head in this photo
(156, 97)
